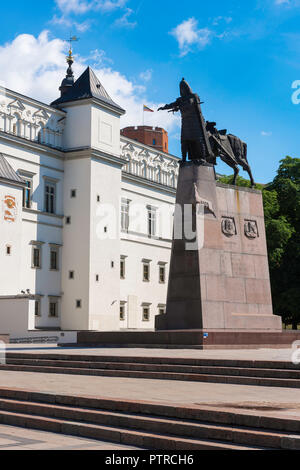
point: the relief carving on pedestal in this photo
(251, 229)
(228, 226)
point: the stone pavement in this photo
(282, 401)
(246, 354)
(13, 438)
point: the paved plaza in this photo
(269, 401)
(281, 354)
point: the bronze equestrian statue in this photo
(201, 141)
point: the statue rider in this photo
(194, 138)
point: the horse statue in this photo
(230, 148)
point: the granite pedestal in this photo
(219, 276)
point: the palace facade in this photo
(85, 215)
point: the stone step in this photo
(254, 418)
(212, 378)
(215, 370)
(286, 365)
(116, 434)
(155, 425)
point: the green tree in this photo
(281, 200)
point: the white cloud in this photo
(188, 34)
(219, 19)
(82, 6)
(146, 76)
(36, 66)
(266, 134)
(67, 22)
(124, 22)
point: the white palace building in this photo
(85, 215)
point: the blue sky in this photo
(240, 57)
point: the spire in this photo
(68, 82)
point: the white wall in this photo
(105, 246)
(136, 246)
(10, 235)
(76, 245)
(35, 225)
(16, 316)
(77, 132)
(105, 130)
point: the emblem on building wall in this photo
(10, 208)
(251, 229)
(228, 226)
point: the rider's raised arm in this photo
(169, 106)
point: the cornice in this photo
(94, 101)
(148, 183)
(95, 154)
(29, 144)
(149, 148)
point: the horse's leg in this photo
(236, 172)
(246, 167)
(251, 177)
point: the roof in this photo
(8, 173)
(87, 86)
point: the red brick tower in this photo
(153, 136)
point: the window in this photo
(122, 311)
(98, 198)
(37, 256)
(71, 274)
(68, 220)
(78, 303)
(161, 309)
(8, 250)
(151, 221)
(50, 197)
(162, 274)
(122, 268)
(146, 272)
(54, 259)
(97, 277)
(73, 193)
(53, 308)
(154, 141)
(125, 215)
(37, 308)
(146, 313)
(27, 193)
